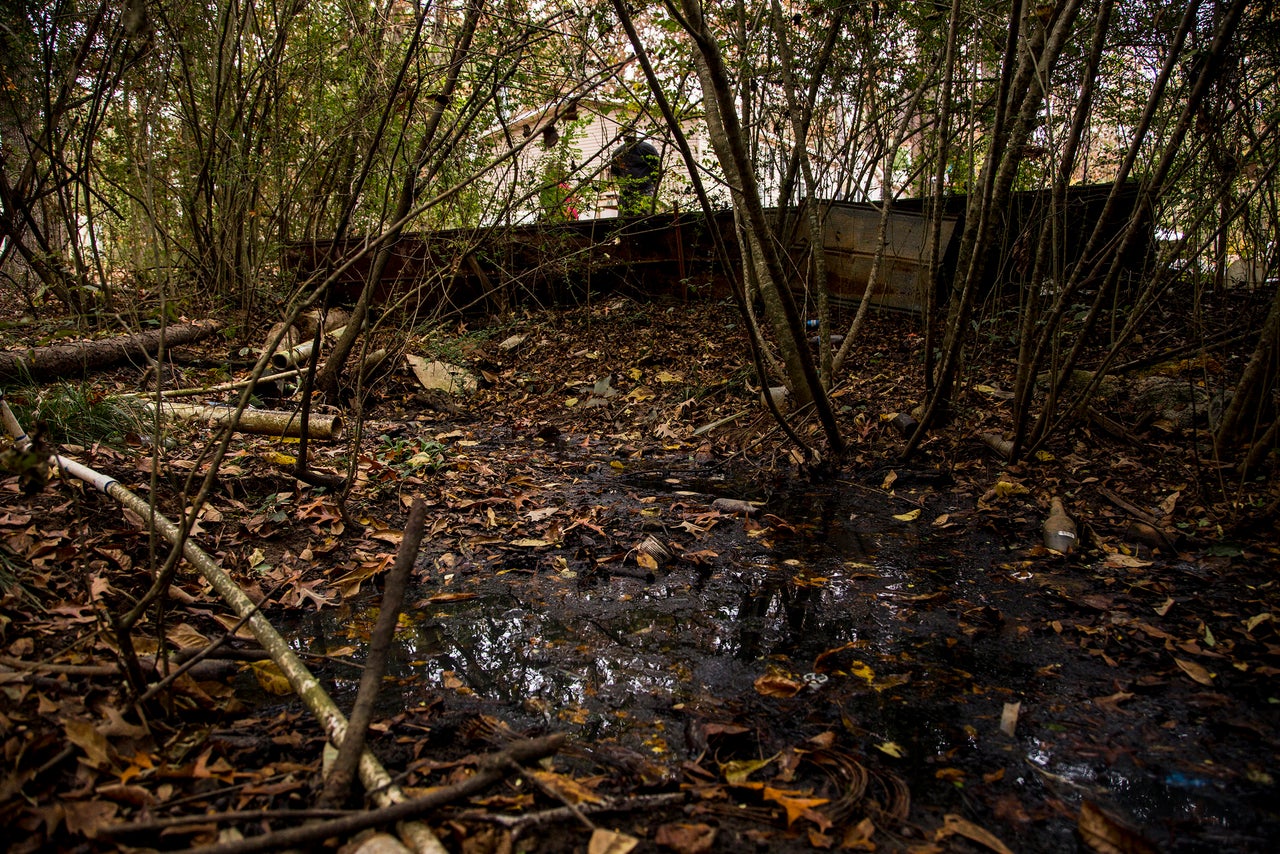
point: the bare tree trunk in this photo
(1018, 103)
(1157, 185)
(754, 341)
(327, 377)
(1249, 405)
(1029, 343)
(729, 144)
(938, 207)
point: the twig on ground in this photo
(519, 823)
(492, 769)
(237, 816)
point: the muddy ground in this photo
(869, 656)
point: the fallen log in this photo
(64, 360)
(261, 421)
(284, 359)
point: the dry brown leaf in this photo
(88, 817)
(954, 825)
(85, 736)
(567, 788)
(610, 842)
(777, 685)
(1196, 671)
(270, 678)
(450, 597)
(1106, 835)
(185, 636)
(1112, 702)
(686, 838)
(858, 837)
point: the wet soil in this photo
(870, 656)
(904, 643)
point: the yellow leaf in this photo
(862, 671)
(573, 401)
(618, 465)
(736, 772)
(889, 479)
(669, 377)
(281, 459)
(1005, 488)
(1253, 622)
(646, 560)
(909, 516)
(270, 678)
(891, 748)
(1044, 456)
(635, 374)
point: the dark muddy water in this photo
(907, 640)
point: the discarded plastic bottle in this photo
(1059, 529)
(811, 324)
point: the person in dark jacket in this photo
(634, 168)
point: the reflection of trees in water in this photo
(520, 655)
(792, 615)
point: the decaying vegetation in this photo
(266, 174)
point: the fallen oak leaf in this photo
(686, 838)
(88, 817)
(85, 736)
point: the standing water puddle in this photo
(904, 642)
